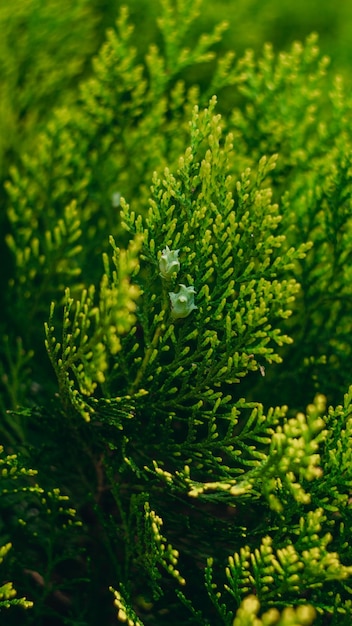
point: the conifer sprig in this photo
(92, 329)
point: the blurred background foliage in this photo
(46, 47)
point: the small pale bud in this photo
(116, 199)
(169, 263)
(182, 303)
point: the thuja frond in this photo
(153, 552)
(287, 460)
(125, 612)
(281, 573)
(286, 108)
(282, 113)
(92, 328)
(182, 373)
(324, 312)
(293, 457)
(174, 25)
(55, 252)
(336, 467)
(248, 615)
(235, 267)
(33, 513)
(7, 591)
(21, 482)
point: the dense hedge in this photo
(176, 306)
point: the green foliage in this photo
(35, 519)
(43, 49)
(305, 123)
(7, 591)
(188, 275)
(92, 331)
(112, 133)
(247, 615)
(300, 567)
(11, 474)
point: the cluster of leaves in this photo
(199, 504)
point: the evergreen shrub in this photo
(176, 410)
